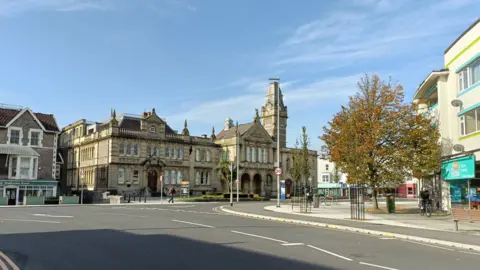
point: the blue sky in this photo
(207, 60)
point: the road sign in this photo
(278, 171)
(82, 173)
(236, 181)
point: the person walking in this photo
(171, 193)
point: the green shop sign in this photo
(459, 168)
(27, 183)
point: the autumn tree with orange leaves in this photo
(380, 141)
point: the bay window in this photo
(23, 168)
(470, 122)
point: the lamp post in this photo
(277, 93)
(231, 184)
(237, 153)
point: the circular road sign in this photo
(278, 171)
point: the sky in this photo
(207, 60)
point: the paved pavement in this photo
(192, 236)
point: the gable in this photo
(257, 133)
(26, 118)
(153, 118)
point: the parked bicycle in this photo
(427, 209)
(327, 200)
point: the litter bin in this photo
(316, 201)
(391, 203)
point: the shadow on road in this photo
(111, 249)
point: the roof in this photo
(134, 123)
(429, 81)
(47, 120)
(231, 132)
(463, 34)
(8, 149)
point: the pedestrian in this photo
(171, 193)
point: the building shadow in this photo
(112, 249)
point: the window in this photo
(103, 173)
(254, 154)
(15, 136)
(249, 157)
(121, 175)
(167, 178)
(410, 190)
(35, 137)
(265, 155)
(155, 151)
(197, 155)
(260, 155)
(201, 178)
(129, 149)
(135, 149)
(207, 178)
(173, 177)
(469, 75)
(25, 167)
(470, 122)
(149, 150)
(180, 153)
(135, 176)
(209, 157)
(153, 129)
(325, 178)
(167, 152)
(327, 167)
(197, 178)
(13, 166)
(179, 177)
(121, 149)
(34, 168)
(174, 153)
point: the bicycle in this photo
(327, 200)
(427, 209)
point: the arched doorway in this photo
(152, 180)
(257, 184)
(245, 183)
(288, 188)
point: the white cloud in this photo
(9, 7)
(241, 107)
(375, 28)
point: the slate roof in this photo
(132, 123)
(47, 120)
(231, 132)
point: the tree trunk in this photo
(375, 200)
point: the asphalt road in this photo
(195, 237)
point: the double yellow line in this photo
(3, 266)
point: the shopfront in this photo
(13, 192)
(464, 184)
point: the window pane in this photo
(167, 177)
(478, 119)
(15, 136)
(121, 176)
(475, 71)
(121, 148)
(34, 138)
(14, 167)
(135, 149)
(129, 149)
(470, 122)
(167, 152)
(24, 167)
(34, 168)
(179, 177)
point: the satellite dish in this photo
(458, 147)
(456, 103)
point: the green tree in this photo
(301, 158)
(378, 140)
(336, 175)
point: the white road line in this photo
(125, 215)
(387, 238)
(467, 252)
(9, 261)
(47, 215)
(293, 244)
(378, 266)
(331, 253)
(184, 206)
(191, 223)
(263, 237)
(30, 220)
(3, 266)
(423, 244)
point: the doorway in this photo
(152, 180)
(11, 194)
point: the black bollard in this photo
(128, 198)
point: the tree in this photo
(301, 158)
(225, 173)
(336, 175)
(379, 141)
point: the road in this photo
(194, 236)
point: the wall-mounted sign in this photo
(459, 168)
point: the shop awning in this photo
(17, 150)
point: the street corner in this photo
(12, 260)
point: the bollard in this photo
(124, 197)
(128, 198)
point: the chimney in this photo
(228, 123)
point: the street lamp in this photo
(277, 90)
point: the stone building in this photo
(132, 153)
(256, 142)
(28, 154)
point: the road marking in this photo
(474, 253)
(378, 266)
(387, 238)
(263, 237)
(191, 223)
(46, 215)
(9, 261)
(293, 244)
(331, 253)
(183, 206)
(423, 244)
(30, 220)
(125, 215)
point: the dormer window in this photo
(153, 129)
